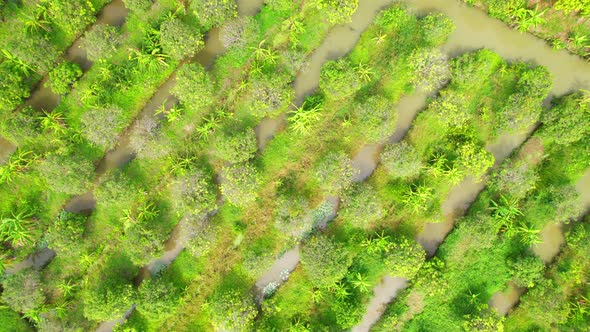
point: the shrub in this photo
(337, 11)
(72, 16)
(180, 40)
(101, 42)
(213, 12)
(404, 257)
(527, 271)
(516, 178)
(194, 88)
(64, 75)
(431, 69)
(156, 298)
(535, 82)
(192, 194)
(203, 235)
(338, 79)
(240, 184)
(377, 118)
(102, 125)
(475, 160)
(147, 139)
(233, 311)
(269, 95)
(13, 90)
(23, 291)
(65, 232)
(324, 261)
(35, 51)
(236, 147)
(519, 113)
(437, 27)
(568, 121)
(107, 301)
(138, 6)
(70, 175)
(334, 172)
(292, 217)
(361, 206)
(234, 33)
(401, 160)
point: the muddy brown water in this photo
(504, 301)
(6, 149)
(384, 293)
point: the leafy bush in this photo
(404, 257)
(233, 311)
(67, 174)
(292, 217)
(436, 27)
(236, 147)
(213, 13)
(13, 90)
(240, 184)
(65, 232)
(361, 206)
(401, 160)
(180, 40)
(101, 125)
(519, 113)
(156, 298)
(568, 121)
(516, 178)
(203, 235)
(269, 95)
(107, 301)
(71, 16)
(431, 69)
(192, 193)
(475, 160)
(23, 291)
(64, 75)
(101, 42)
(138, 6)
(377, 118)
(334, 172)
(338, 79)
(194, 88)
(337, 11)
(324, 261)
(527, 271)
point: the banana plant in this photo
(17, 228)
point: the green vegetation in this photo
(169, 191)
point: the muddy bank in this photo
(278, 273)
(37, 261)
(384, 293)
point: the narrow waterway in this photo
(384, 293)
(339, 41)
(42, 98)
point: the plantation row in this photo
(167, 208)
